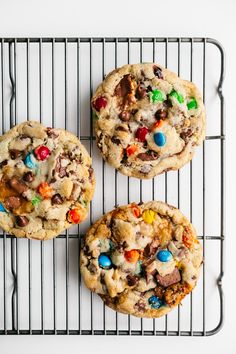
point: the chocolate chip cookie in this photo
(46, 181)
(142, 259)
(147, 120)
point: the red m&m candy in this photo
(141, 134)
(42, 152)
(99, 103)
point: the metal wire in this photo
(11, 315)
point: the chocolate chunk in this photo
(12, 202)
(14, 153)
(132, 279)
(140, 91)
(134, 111)
(28, 177)
(161, 114)
(59, 169)
(124, 87)
(157, 72)
(186, 134)
(149, 88)
(124, 115)
(51, 133)
(22, 220)
(18, 185)
(102, 276)
(74, 194)
(115, 140)
(124, 158)
(125, 90)
(167, 103)
(151, 248)
(87, 251)
(53, 179)
(169, 279)
(3, 163)
(148, 156)
(57, 199)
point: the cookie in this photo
(142, 259)
(46, 181)
(147, 120)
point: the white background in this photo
(212, 18)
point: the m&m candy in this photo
(45, 190)
(148, 216)
(141, 134)
(135, 210)
(155, 302)
(192, 104)
(159, 139)
(131, 149)
(157, 96)
(177, 95)
(30, 161)
(132, 256)
(36, 200)
(2, 209)
(74, 216)
(164, 256)
(100, 103)
(104, 261)
(42, 152)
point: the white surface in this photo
(185, 18)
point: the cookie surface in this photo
(141, 259)
(46, 181)
(147, 120)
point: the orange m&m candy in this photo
(74, 216)
(130, 150)
(187, 237)
(45, 190)
(132, 256)
(135, 210)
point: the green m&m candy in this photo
(35, 200)
(157, 96)
(192, 104)
(177, 95)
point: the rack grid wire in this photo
(52, 80)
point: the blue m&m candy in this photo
(159, 139)
(155, 302)
(2, 209)
(164, 256)
(104, 261)
(30, 161)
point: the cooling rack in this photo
(52, 80)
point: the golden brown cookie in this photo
(142, 259)
(46, 181)
(147, 120)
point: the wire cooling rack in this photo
(52, 80)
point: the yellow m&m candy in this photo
(148, 216)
